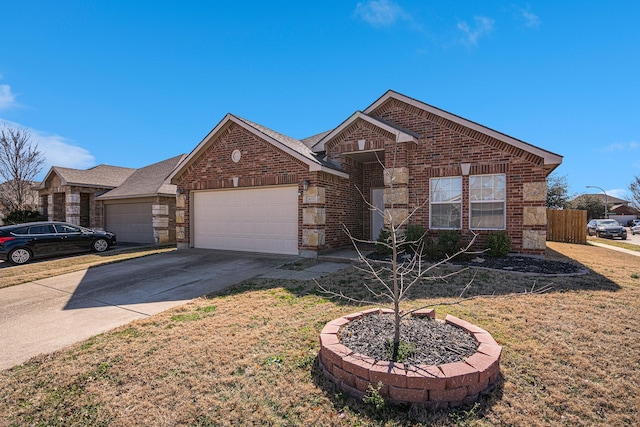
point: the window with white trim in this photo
(445, 203)
(487, 201)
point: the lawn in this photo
(248, 356)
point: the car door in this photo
(72, 238)
(41, 239)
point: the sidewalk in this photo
(327, 264)
(615, 248)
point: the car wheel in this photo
(100, 245)
(20, 256)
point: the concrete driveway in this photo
(47, 315)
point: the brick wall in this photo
(441, 149)
(261, 164)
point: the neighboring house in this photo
(618, 209)
(69, 195)
(142, 208)
(136, 204)
(246, 187)
(8, 200)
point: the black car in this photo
(20, 243)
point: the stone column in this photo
(314, 219)
(181, 237)
(534, 217)
(396, 195)
(160, 220)
(49, 212)
(72, 211)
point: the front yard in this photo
(248, 356)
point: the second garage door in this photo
(132, 222)
(253, 220)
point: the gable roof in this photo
(401, 135)
(313, 140)
(551, 160)
(285, 143)
(147, 181)
(104, 176)
(611, 200)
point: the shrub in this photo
(384, 237)
(415, 233)
(498, 244)
(19, 217)
(447, 243)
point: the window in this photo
(66, 229)
(41, 229)
(445, 202)
(487, 196)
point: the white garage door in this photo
(253, 220)
(132, 222)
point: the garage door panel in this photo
(132, 222)
(255, 220)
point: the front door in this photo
(377, 218)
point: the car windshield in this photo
(608, 223)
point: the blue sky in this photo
(130, 83)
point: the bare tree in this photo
(634, 187)
(20, 162)
(403, 271)
(407, 266)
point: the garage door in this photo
(253, 220)
(132, 222)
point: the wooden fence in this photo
(568, 226)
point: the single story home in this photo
(136, 204)
(246, 187)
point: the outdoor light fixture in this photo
(606, 199)
(305, 184)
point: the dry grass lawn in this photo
(248, 356)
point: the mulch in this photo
(515, 263)
(425, 341)
(523, 264)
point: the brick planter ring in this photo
(450, 384)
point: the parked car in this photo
(635, 229)
(21, 243)
(606, 228)
(633, 222)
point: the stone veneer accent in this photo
(395, 216)
(446, 385)
(534, 239)
(534, 191)
(394, 176)
(396, 196)
(534, 215)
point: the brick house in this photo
(246, 187)
(136, 204)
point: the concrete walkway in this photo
(615, 248)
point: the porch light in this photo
(305, 184)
